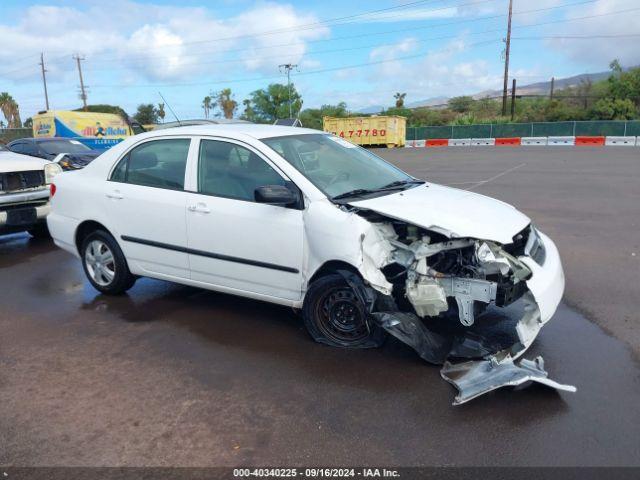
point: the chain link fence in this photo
(9, 134)
(537, 129)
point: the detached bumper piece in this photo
(475, 378)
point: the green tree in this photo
(461, 104)
(248, 114)
(614, 109)
(400, 99)
(312, 117)
(146, 114)
(10, 109)
(28, 123)
(224, 100)
(104, 108)
(161, 112)
(207, 105)
(273, 102)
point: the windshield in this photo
(64, 146)
(337, 167)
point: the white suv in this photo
(305, 219)
(24, 193)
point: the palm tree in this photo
(399, 99)
(10, 110)
(161, 113)
(226, 103)
(206, 105)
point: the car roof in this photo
(40, 140)
(258, 131)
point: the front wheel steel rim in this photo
(341, 317)
(100, 262)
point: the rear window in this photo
(158, 163)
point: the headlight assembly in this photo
(50, 171)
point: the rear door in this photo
(235, 242)
(145, 200)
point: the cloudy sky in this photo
(358, 52)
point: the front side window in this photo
(158, 163)
(338, 167)
(229, 170)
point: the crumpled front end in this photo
(430, 290)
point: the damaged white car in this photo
(306, 219)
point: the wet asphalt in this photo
(176, 376)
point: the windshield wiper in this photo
(365, 191)
(400, 183)
(354, 193)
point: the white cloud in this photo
(599, 51)
(154, 42)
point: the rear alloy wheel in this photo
(105, 265)
(334, 315)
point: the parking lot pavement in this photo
(172, 375)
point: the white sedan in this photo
(305, 219)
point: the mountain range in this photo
(538, 88)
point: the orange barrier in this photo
(437, 142)
(508, 142)
(585, 141)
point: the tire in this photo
(40, 231)
(104, 264)
(335, 316)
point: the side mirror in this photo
(275, 195)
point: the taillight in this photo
(52, 189)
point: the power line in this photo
(366, 35)
(309, 72)
(349, 37)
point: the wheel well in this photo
(333, 266)
(84, 229)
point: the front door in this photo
(235, 242)
(146, 203)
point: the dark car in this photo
(71, 154)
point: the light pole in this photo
(288, 67)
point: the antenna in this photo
(170, 109)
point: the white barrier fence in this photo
(627, 141)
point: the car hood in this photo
(453, 212)
(15, 162)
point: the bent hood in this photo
(16, 162)
(450, 211)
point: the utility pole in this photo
(288, 67)
(83, 93)
(553, 81)
(513, 100)
(44, 80)
(506, 61)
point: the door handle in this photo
(116, 195)
(199, 208)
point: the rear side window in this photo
(159, 163)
